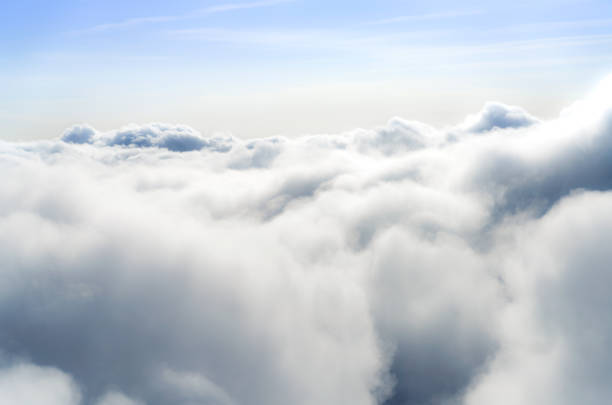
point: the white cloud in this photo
(117, 398)
(24, 383)
(556, 333)
(406, 263)
(178, 138)
(498, 116)
(79, 134)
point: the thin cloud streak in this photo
(133, 21)
(220, 8)
(242, 6)
(394, 46)
(407, 51)
(555, 25)
(425, 17)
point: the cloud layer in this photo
(401, 265)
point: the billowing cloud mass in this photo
(407, 264)
(498, 116)
(177, 138)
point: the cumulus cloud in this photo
(79, 134)
(398, 136)
(403, 265)
(116, 398)
(177, 138)
(555, 336)
(24, 383)
(498, 116)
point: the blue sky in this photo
(259, 68)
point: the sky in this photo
(290, 67)
(304, 202)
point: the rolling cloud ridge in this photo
(400, 265)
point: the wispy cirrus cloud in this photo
(220, 8)
(215, 9)
(560, 25)
(134, 21)
(412, 46)
(425, 17)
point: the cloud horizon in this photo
(401, 265)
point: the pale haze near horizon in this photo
(263, 68)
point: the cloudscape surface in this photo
(305, 202)
(406, 264)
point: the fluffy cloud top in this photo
(400, 265)
(28, 384)
(79, 134)
(177, 138)
(498, 116)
